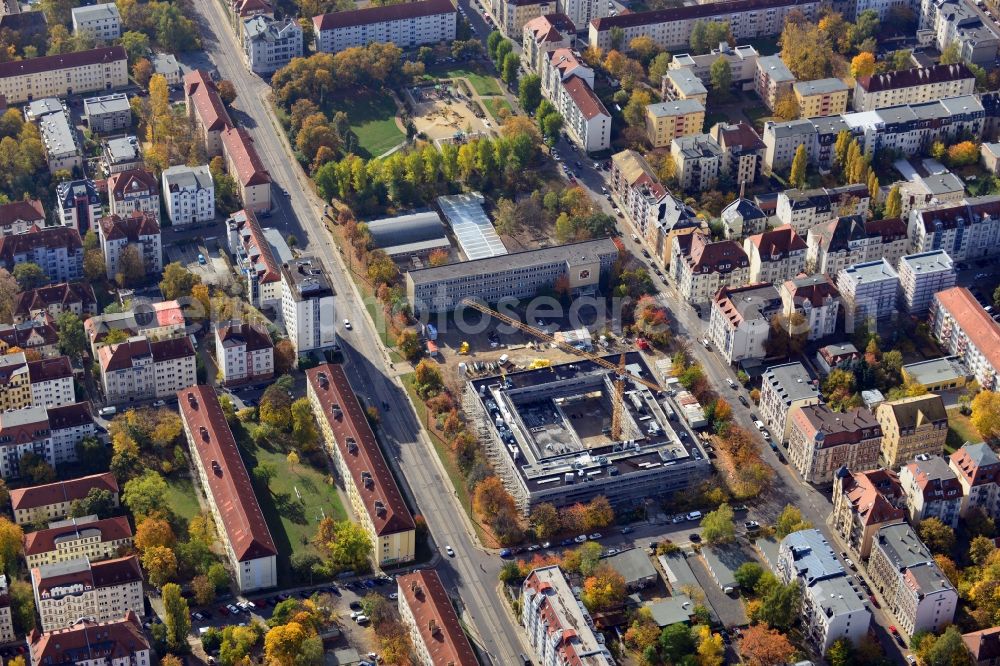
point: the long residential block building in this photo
(254, 258)
(206, 109)
(912, 86)
(966, 330)
(822, 441)
(66, 592)
(966, 230)
(558, 627)
(407, 25)
(427, 612)
(142, 368)
(243, 163)
(223, 477)
(51, 433)
(73, 538)
(99, 69)
(53, 501)
(370, 485)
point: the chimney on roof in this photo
(432, 626)
(193, 401)
(352, 446)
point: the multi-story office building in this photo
(205, 108)
(816, 298)
(74, 538)
(223, 478)
(740, 323)
(915, 590)
(967, 230)
(102, 22)
(104, 68)
(832, 608)
(784, 387)
(245, 166)
(700, 267)
(923, 275)
(79, 204)
(308, 304)
(978, 470)
(671, 28)
(77, 589)
(58, 251)
(557, 625)
(804, 209)
(139, 231)
(134, 190)
(427, 612)
(17, 217)
(269, 45)
(776, 255)
(254, 258)
(244, 352)
(119, 642)
(863, 503)
(53, 501)
(822, 441)
(141, 369)
(911, 427)
(932, 490)
(666, 121)
(869, 293)
(510, 276)
(822, 97)
(912, 86)
(54, 299)
(773, 80)
(108, 113)
(407, 25)
(189, 193)
(966, 330)
(698, 160)
(377, 500)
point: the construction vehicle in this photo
(463, 348)
(539, 363)
(619, 368)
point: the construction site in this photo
(565, 433)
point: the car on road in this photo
(595, 536)
(744, 401)
(347, 324)
(850, 564)
(285, 192)
(751, 525)
(626, 530)
(355, 605)
(159, 403)
(450, 551)
(679, 518)
(197, 616)
(694, 515)
(732, 384)
(566, 542)
(635, 238)
(611, 551)
(232, 609)
(910, 659)
(705, 343)
(581, 538)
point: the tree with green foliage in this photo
(508, 71)
(145, 494)
(937, 536)
(658, 67)
(30, 276)
(617, 35)
(529, 92)
(797, 175)
(676, 643)
(722, 76)
(176, 616)
(840, 652)
(492, 41)
(948, 649)
(177, 281)
(790, 520)
(72, 337)
(717, 526)
(503, 48)
(747, 575)
(98, 502)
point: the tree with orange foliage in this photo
(490, 498)
(599, 513)
(762, 646)
(604, 591)
(154, 532)
(863, 64)
(574, 518)
(963, 154)
(438, 257)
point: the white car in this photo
(450, 551)
(159, 403)
(347, 324)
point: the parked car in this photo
(596, 536)
(871, 598)
(581, 538)
(751, 525)
(450, 551)
(744, 401)
(694, 515)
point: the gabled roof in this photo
(63, 293)
(212, 441)
(916, 76)
(922, 410)
(132, 181)
(140, 223)
(435, 619)
(240, 149)
(973, 320)
(935, 478)
(88, 641)
(359, 450)
(984, 645)
(238, 333)
(255, 245)
(376, 14)
(81, 571)
(708, 257)
(584, 98)
(62, 491)
(813, 288)
(876, 495)
(978, 464)
(30, 211)
(550, 28)
(779, 242)
(198, 85)
(49, 238)
(47, 369)
(107, 530)
(42, 64)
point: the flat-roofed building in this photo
(683, 84)
(104, 68)
(166, 65)
(376, 499)
(108, 113)
(740, 323)
(407, 25)
(742, 61)
(966, 330)
(863, 503)
(869, 292)
(117, 642)
(937, 374)
(62, 145)
(932, 490)
(822, 441)
(773, 80)
(698, 159)
(426, 610)
(911, 427)
(915, 590)
(66, 592)
(53, 501)
(69, 539)
(912, 86)
(224, 479)
(923, 275)
(308, 304)
(666, 121)
(557, 625)
(102, 22)
(822, 97)
(784, 387)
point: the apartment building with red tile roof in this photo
(966, 330)
(75, 297)
(427, 611)
(73, 538)
(52, 501)
(204, 105)
(863, 503)
(245, 166)
(17, 217)
(66, 591)
(118, 642)
(100, 69)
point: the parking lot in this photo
(206, 259)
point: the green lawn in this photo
(297, 499)
(372, 116)
(181, 498)
(493, 105)
(482, 82)
(960, 431)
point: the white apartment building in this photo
(832, 607)
(6, 619)
(66, 592)
(740, 323)
(104, 68)
(915, 590)
(958, 22)
(913, 86)
(120, 642)
(189, 193)
(804, 209)
(966, 330)
(103, 22)
(79, 204)
(407, 25)
(74, 538)
(47, 382)
(544, 34)
(773, 80)
(557, 626)
(17, 217)
(269, 45)
(582, 12)
(923, 275)
(223, 478)
(133, 190)
(62, 146)
(244, 352)
(140, 231)
(307, 305)
(52, 501)
(142, 369)
(822, 441)
(967, 230)
(568, 84)
(849, 240)
(868, 292)
(784, 387)
(932, 490)
(700, 267)
(816, 298)
(776, 255)
(978, 470)
(698, 161)
(49, 432)
(58, 251)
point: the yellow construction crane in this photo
(541, 335)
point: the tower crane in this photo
(619, 368)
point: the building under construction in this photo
(548, 433)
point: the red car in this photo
(223, 610)
(892, 629)
(871, 598)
